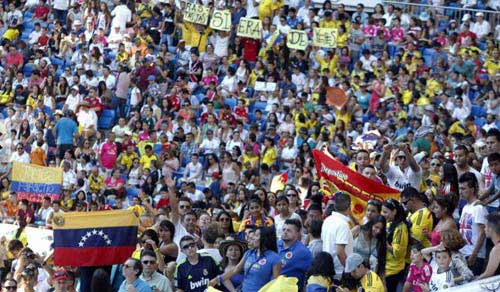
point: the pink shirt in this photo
(419, 276)
(108, 155)
(397, 34)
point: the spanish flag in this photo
(100, 238)
(278, 182)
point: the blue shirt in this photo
(139, 285)
(295, 260)
(65, 128)
(258, 270)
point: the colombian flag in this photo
(100, 238)
(33, 182)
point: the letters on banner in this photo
(324, 37)
(196, 13)
(221, 20)
(249, 28)
(297, 39)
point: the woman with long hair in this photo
(397, 242)
(259, 265)
(168, 248)
(442, 207)
(100, 281)
(371, 244)
(451, 240)
(226, 223)
(320, 274)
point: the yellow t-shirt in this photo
(6, 97)
(266, 8)
(420, 220)
(269, 157)
(371, 282)
(253, 160)
(395, 259)
(492, 66)
(127, 159)
(146, 160)
(11, 34)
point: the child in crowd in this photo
(442, 277)
(420, 271)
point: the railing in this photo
(456, 13)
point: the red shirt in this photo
(41, 12)
(418, 275)
(250, 49)
(95, 103)
(15, 59)
(43, 40)
(241, 112)
(108, 155)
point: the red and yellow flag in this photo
(334, 177)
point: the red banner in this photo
(335, 176)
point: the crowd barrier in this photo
(453, 12)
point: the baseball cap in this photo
(352, 262)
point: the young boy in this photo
(420, 271)
(442, 277)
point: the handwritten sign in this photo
(250, 28)
(325, 37)
(221, 20)
(196, 13)
(296, 39)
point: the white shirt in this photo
(472, 215)
(72, 101)
(110, 81)
(481, 29)
(158, 281)
(122, 15)
(399, 180)
(194, 171)
(213, 252)
(251, 9)
(69, 178)
(220, 46)
(196, 196)
(87, 119)
(24, 158)
(210, 146)
(43, 213)
(335, 231)
(34, 35)
(280, 222)
(299, 80)
(60, 4)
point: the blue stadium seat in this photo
(261, 105)
(479, 122)
(478, 111)
(231, 102)
(106, 120)
(28, 68)
(58, 62)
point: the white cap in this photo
(479, 14)
(466, 17)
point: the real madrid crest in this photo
(59, 220)
(288, 255)
(262, 262)
(205, 272)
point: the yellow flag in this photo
(281, 284)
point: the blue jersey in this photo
(66, 128)
(195, 278)
(258, 269)
(295, 260)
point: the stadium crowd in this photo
(145, 111)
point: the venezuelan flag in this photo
(94, 238)
(34, 182)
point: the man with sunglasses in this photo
(195, 271)
(155, 280)
(406, 173)
(420, 215)
(132, 269)
(10, 285)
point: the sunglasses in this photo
(10, 288)
(435, 164)
(225, 219)
(148, 262)
(128, 267)
(291, 195)
(184, 206)
(189, 245)
(401, 157)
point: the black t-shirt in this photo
(195, 278)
